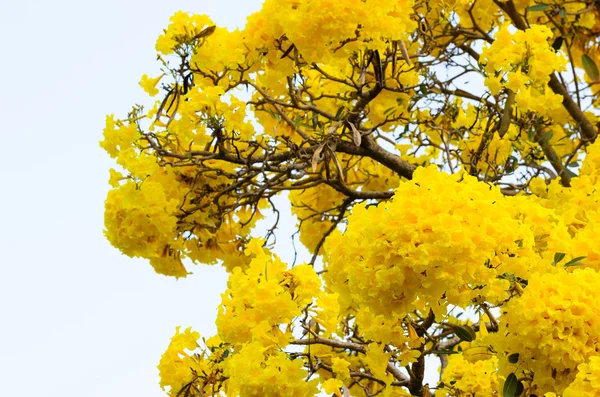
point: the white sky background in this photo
(77, 318)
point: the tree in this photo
(439, 158)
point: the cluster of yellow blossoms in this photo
(263, 297)
(587, 382)
(254, 375)
(141, 221)
(561, 328)
(476, 379)
(430, 246)
(374, 21)
(176, 361)
(522, 62)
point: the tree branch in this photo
(370, 148)
(402, 379)
(541, 137)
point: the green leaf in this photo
(510, 386)
(513, 358)
(272, 113)
(562, 13)
(225, 354)
(590, 67)
(570, 173)
(465, 333)
(206, 32)
(559, 256)
(573, 164)
(520, 388)
(575, 261)
(538, 7)
(507, 276)
(519, 243)
(557, 43)
(547, 136)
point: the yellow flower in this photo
(115, 177)
(332, 386)
(494, 84)
(149, 84)
(377, 360)
(340, 367)
(516, 81)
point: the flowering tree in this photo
(439, 158)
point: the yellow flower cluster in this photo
(253, 373)
(182, 29)
(577, 208)
(522, 62)
(143, 211)
(140, 221)
(176, 363)
(435, 241)
(317, 35)
(587, 382)
(121, 143)
(553, 327)
(464, 378)
(263, 297)
(248, 351)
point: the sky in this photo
(78, 318)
